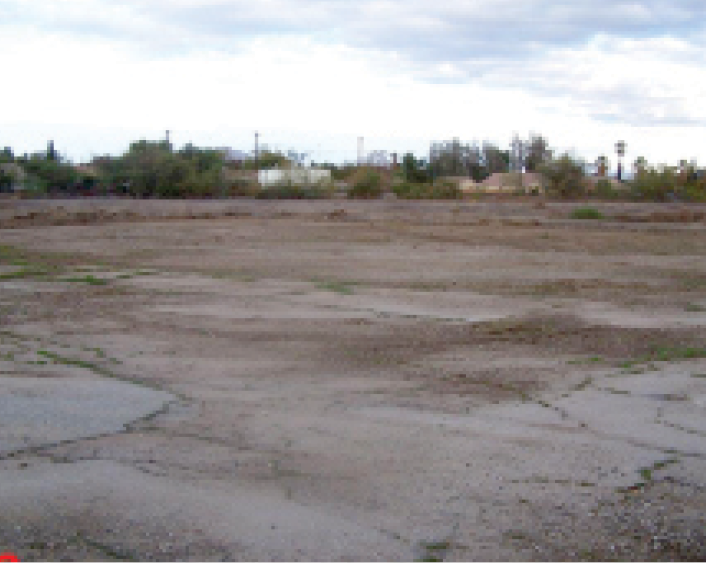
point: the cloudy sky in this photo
(315, 75)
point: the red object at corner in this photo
(8, 558)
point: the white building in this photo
(297, 176)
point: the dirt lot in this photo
(334, 380)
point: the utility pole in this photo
(620, 149)
(360, 151)
(431, 158)
(257, 153)
(518, 153)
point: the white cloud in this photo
(401, 74)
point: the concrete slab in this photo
(36, 411)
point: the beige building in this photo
(510, 182)
(500, 182)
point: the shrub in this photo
(445, 190)
(656, 185)
(565, 176)
(366, 184)
(289, 190)
(604, 189)
(586, 213)
(244, 187)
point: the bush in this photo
(565, 176)
(586, 213)
(696, 192)
(656, 185)
(604, 189)
(366, 184)
(445, 190)
(289, 190)
(244, 187)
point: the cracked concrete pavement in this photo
(283, 386)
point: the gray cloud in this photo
(420, 29)
(490, 42)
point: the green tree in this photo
(6, 155)
(538, 153)
(656, 184)
(494, 159)
(153, 169)
(366, 184)
(50, 174)
(268, 159)
(565, 176)
(51, 151)
(414, 169)
(7, 179)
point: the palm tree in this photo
(620, 149)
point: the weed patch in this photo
(665, 354)
(586, 213)
(342, 288)
(584, 361)
(428, 191)
(58, 359)
(89, 279)
(25, 273)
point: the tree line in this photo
(156, 169)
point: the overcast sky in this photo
(314, 75)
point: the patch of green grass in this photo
(666, 354)
(24, 274)
(647, 473)
(582, 361)
(58, 359)
(443, 190)
(434, 551)
(701, 375)
(586, 213)
(694, 308)
(97, 351)
(89, 279)
(128, 275)
(8, 252)
(232, 275)
(343, 288)
(671, 354)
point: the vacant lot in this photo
(352, 380)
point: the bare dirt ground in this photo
(335, 380)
